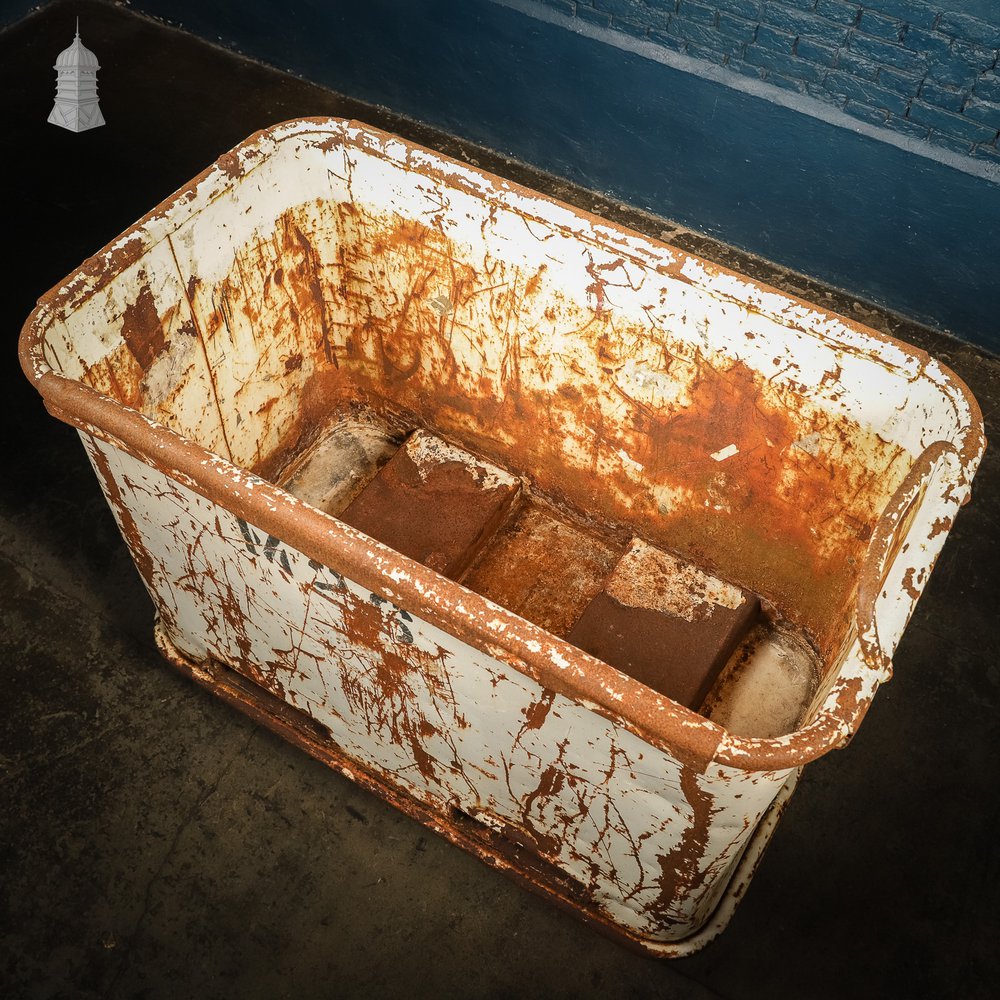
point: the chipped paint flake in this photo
(629, 460)
(809, 444)
(723, 453)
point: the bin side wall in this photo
(646, 837)
(211, 329)
(249, 273)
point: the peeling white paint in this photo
(723, 453)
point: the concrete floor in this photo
(155, 843)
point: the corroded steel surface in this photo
(324, 265)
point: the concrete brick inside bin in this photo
(666, 623)
(434, 503)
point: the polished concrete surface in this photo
(155, 843)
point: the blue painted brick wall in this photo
(917, 67)
(902, 230)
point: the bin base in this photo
(461, 829)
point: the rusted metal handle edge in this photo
(886, 543)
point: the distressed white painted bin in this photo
(790, 451)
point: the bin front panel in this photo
(648, 837)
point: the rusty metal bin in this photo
(323, 265)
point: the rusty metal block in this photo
(434, 503)
(544, 567)
(666, 623)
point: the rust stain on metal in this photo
(546, 567)
(911, 578)
(536, 713)
(229, 163)
(311, 270)
(133, 537)
(141, 328)
(679, 871)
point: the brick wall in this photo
(912, 66)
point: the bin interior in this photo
(336, 290)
